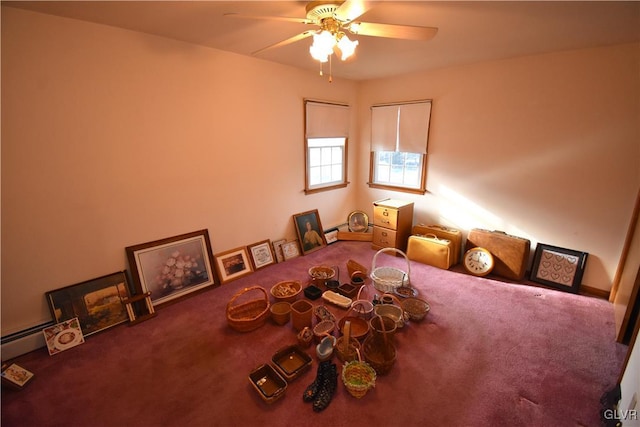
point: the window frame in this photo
(422, 189)
(314, 188)
(339, 131)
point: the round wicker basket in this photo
(386, 279)
(415, 308)
(358, 377)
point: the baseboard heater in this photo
(25, 341)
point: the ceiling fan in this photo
(334, 20)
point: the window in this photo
(326, 141)
(399, 137)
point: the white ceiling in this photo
(468, 31)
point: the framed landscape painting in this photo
(172, 268)
(96, 303)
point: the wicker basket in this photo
(379, 355)
(415, 308)
(358, 377)
(248, 315)
(354, 267)
(346, 346)
(386, 279)
(320, 274)
(323, 328)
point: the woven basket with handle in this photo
(244, 314)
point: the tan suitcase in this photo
(430, 250)
(442, 232)
(510, 253)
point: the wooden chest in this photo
(510, 253)
(392, 222)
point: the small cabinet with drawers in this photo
(392, 222)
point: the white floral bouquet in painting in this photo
(178, 271)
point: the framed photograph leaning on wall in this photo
(173, 267)
(558, 268)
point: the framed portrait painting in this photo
(233, 264)
(172, 268)
(96, 303)
(309, 230)
(558, 268)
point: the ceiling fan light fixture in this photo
(347, 46)
(322, 47)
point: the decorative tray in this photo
(291, 362)
(337, 299)
(268, 383)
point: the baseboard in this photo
(22, 342)
(594, 292)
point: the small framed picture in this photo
(558, 268)
(15, 375)
(277, 249)
(309, 229)
(173, 267)
(261, 254)
(63, 336)
(233, 264)
(96, 303)
(358, 222)
(331, 236)
(290, 250)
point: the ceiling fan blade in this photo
(290, 40)
(269, 18)
(408, 32)
(351, 9)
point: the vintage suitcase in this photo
(442, 232)
(430, 250)
(510, 253)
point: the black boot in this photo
(312, 389)
(327, 388)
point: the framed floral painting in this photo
(173, 267)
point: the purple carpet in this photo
(489, 353)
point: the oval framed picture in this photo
(358, 222)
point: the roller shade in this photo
(324, 120)
(401, 127)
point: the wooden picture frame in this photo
(261, 254)
(277, 249)
(96, 303)
(309, 230)
(558, 267)
(233, 264)
(290, 250)
(172, 268)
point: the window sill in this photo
(400, 189)
(327, 188)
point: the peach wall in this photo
(112, 138)
(545, 147)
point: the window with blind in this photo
(326, 139)
(399, 139)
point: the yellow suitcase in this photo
(442, 232)
(430, 250)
